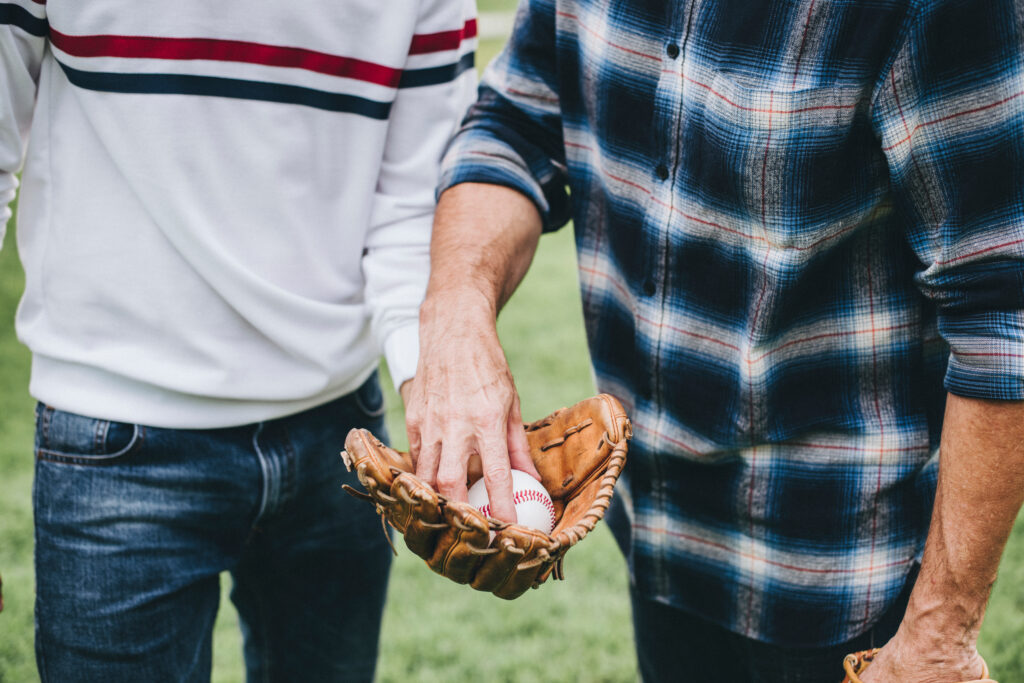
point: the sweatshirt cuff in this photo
(402, 351)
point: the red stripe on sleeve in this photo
(425, 43)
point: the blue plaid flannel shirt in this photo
(796, 220)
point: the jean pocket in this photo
(80, 440)
(369, 398)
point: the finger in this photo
(407, 391)
(427, 461)
(412, 425)
(498, 477)
(451, 469)
(518, 446)
(412, 432)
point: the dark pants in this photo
(673, 645)
(134, 525)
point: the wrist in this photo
(942, 616)
(467, 304)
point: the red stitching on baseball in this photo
(524, 497)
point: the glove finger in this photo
(371, 459)
(462, 544)
(522, 555)
(416, 513)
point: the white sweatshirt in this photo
(225, 207)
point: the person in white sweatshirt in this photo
(224, 220)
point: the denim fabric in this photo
(134, 525)
(674, 645)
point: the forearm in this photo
(980, 491)
(484, 239)
(462, 402)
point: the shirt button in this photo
(649, 287)
(672, 50)
(661, 171)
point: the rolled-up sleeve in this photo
(950, 116)
(512, 135)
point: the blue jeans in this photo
(134, 525)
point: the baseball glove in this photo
(856, 664)
(579, 452)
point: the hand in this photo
(929, 660)
(462, 409)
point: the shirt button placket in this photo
(655, 284)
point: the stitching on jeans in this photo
(50, 455)
(357, 395)
(265, 479)
(64, 458)
(291, 463)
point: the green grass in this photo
(496, 5)
(17, 660)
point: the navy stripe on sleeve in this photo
(416, 78)
(14, 15)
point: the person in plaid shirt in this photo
(800, 233)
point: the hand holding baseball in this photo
(462, 404)
(578, 452)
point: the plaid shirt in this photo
(795, 220)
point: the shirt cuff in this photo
(984, 363)
(473, 159)
(402, 351)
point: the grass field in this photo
(577, 630)
(496, 5)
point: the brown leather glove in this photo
(857, 662)
(579, 452)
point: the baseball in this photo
(534, 508)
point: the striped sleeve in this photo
(950, 114)
(23, 33)
(512, 135)
(438, 82)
